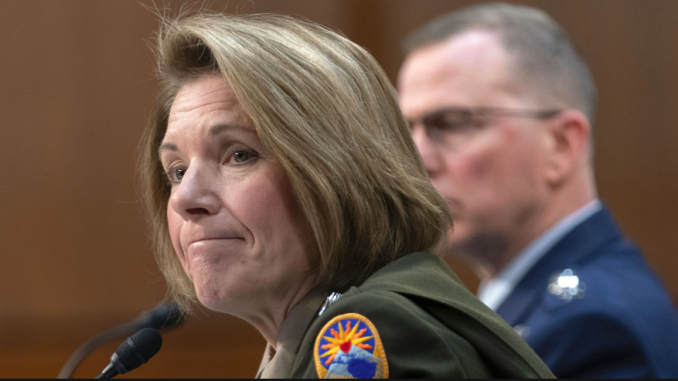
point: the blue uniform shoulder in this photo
(608, 306)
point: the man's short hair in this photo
(545, 59)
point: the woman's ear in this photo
(568, 139)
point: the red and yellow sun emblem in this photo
(349, 346)
(343, 340)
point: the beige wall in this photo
(75, 89)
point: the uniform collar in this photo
(277, 363)
(494, 292)
(578, 244)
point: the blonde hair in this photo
(326, 110)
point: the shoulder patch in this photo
(349, 346)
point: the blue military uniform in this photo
(592, 308)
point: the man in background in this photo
(501, 107)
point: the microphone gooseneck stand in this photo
(92, 344)
(163, 316)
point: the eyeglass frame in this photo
(471, 113)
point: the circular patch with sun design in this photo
(349, 347)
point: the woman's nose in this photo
(196, 195)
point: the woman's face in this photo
(234, 223)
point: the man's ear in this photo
(568, 137)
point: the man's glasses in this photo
(451, 126)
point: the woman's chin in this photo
(210, 297)
(216, 300)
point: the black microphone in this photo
(163, 316)
(133, 352)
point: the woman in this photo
(279, 171)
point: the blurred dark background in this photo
(75, 90)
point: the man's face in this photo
(491, 174)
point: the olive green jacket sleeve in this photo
(430, 326)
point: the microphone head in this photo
(163, 316)
(136, 350)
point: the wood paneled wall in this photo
(75, 90)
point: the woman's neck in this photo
(274, 311)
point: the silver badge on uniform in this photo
(566, 286)
(330, 299)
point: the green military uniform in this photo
(413, 318)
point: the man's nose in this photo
(427, 149)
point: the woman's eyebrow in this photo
(214, 131)
(219, 128)
(168, 146)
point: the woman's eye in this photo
(176, 174)
(242, 156)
